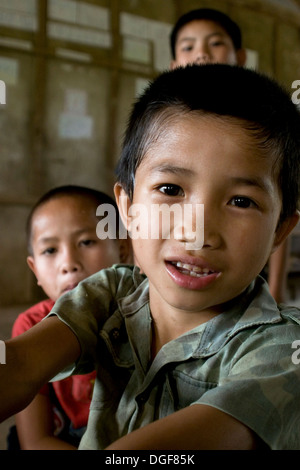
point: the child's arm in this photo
(32, 359)
(197, 427)
(35, 426)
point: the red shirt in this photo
(73, 393)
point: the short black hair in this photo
(98, 197)
(231, 28)
(258, 103)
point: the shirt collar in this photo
(253, 307)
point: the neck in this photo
(166, 328)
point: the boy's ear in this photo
(173, 64)
(241, 55)
(31, 264)
(124, 203)
(285, 229)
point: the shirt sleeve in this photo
(87, 307)
(262, 389)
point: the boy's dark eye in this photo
(187, 48)
(171, 190)
(243, 202)
(217, 43)
(49, 251)
(87, 242)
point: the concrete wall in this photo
(72, 70)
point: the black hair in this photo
(231, 28)
(258, 103)
(98, 197)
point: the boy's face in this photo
(201, 160)
(65, 246)
(204, 41)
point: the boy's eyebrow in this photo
(54, 238)
(259, 182)
(192, 38)
(166, 168)
(256, 181)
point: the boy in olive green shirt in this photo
(191, 351)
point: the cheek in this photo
(252, 244)
(46, 277)
(147, 251)
(228, 57)
(140, 221)
(183, 60)
(104, 257)
(44, 270)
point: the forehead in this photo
(191, 136)
(200, 27)
(70, 202)
(64, 208)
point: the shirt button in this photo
(114, 334)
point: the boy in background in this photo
(194, 353)
(207, 36)
(63, 250)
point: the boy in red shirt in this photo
(63, 250)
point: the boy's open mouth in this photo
(191, 270)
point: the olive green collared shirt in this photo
(240, 362)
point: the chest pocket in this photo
(181, 390)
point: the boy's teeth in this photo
(192, 270)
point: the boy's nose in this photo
(70, 262)
(69, 268)
(202, 229)
(199, 227)
(202, 55)
(212, 237)
(202, 59)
